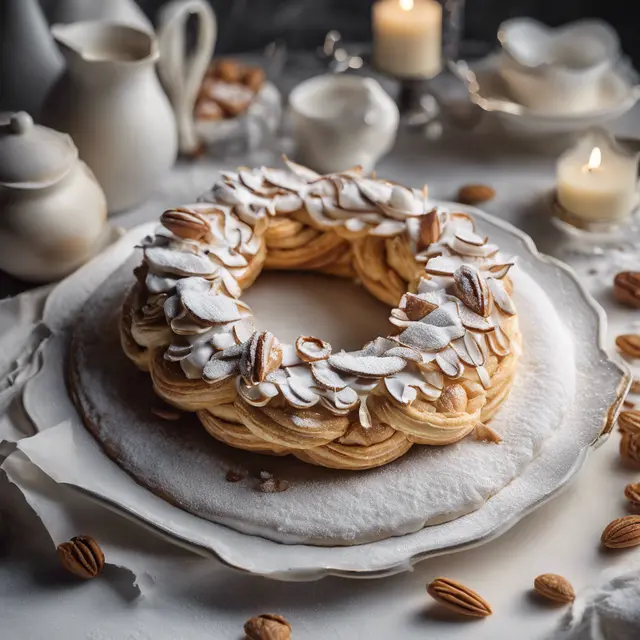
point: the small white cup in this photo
(340, 121)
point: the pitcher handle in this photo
(182, 75)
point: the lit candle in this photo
(597, 181)
(407, 37)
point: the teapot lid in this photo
(32, 156)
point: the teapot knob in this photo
(20, 123)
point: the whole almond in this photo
(554, 587)
(416, 307)
(629, 345)
(458, 597)
(430, 228)
(635, 386)
(630, 447)
(629, 421)
(632, 494)
(186, 223)
(81, 556)
(475, 193)
(268, 626)
(473, 290)
(626, 288)
(622, 533)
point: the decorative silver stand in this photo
(416, 103)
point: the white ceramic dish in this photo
(588, 423)
(557, 70)
(617, 93)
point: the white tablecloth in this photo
(186, 597)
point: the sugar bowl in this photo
(52, 210)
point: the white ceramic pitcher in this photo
(111, 103)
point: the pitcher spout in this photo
(100, 42)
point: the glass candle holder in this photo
(596, 184)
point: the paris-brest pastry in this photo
(443, 371)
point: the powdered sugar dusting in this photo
(322, 506)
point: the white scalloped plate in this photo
(601, 386)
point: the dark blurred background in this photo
(251, 24)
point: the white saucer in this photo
(618, 93)
(601, 393)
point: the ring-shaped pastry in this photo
(445, 368)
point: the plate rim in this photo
(310, 572)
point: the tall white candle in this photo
(597, 181)
(407, 37)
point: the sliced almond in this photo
(416, 307)
(367, 366)
(499, 271)
(459, 598)
(501, 297)
(430, 228)
(268, 355)
(554, 587)
(311, 349)
(326, 377)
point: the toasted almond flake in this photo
(416, 307)
(430, 229)
(367, 366)
(326, 377)
(310, 349)
(500, 296)
(499, 271)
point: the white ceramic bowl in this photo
(616, 93)
(588, 423)
(557, 70)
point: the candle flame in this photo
(595, 159)
(406, 5)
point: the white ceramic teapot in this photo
(52, 210)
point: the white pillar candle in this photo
(597, 181)
(407, 37)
